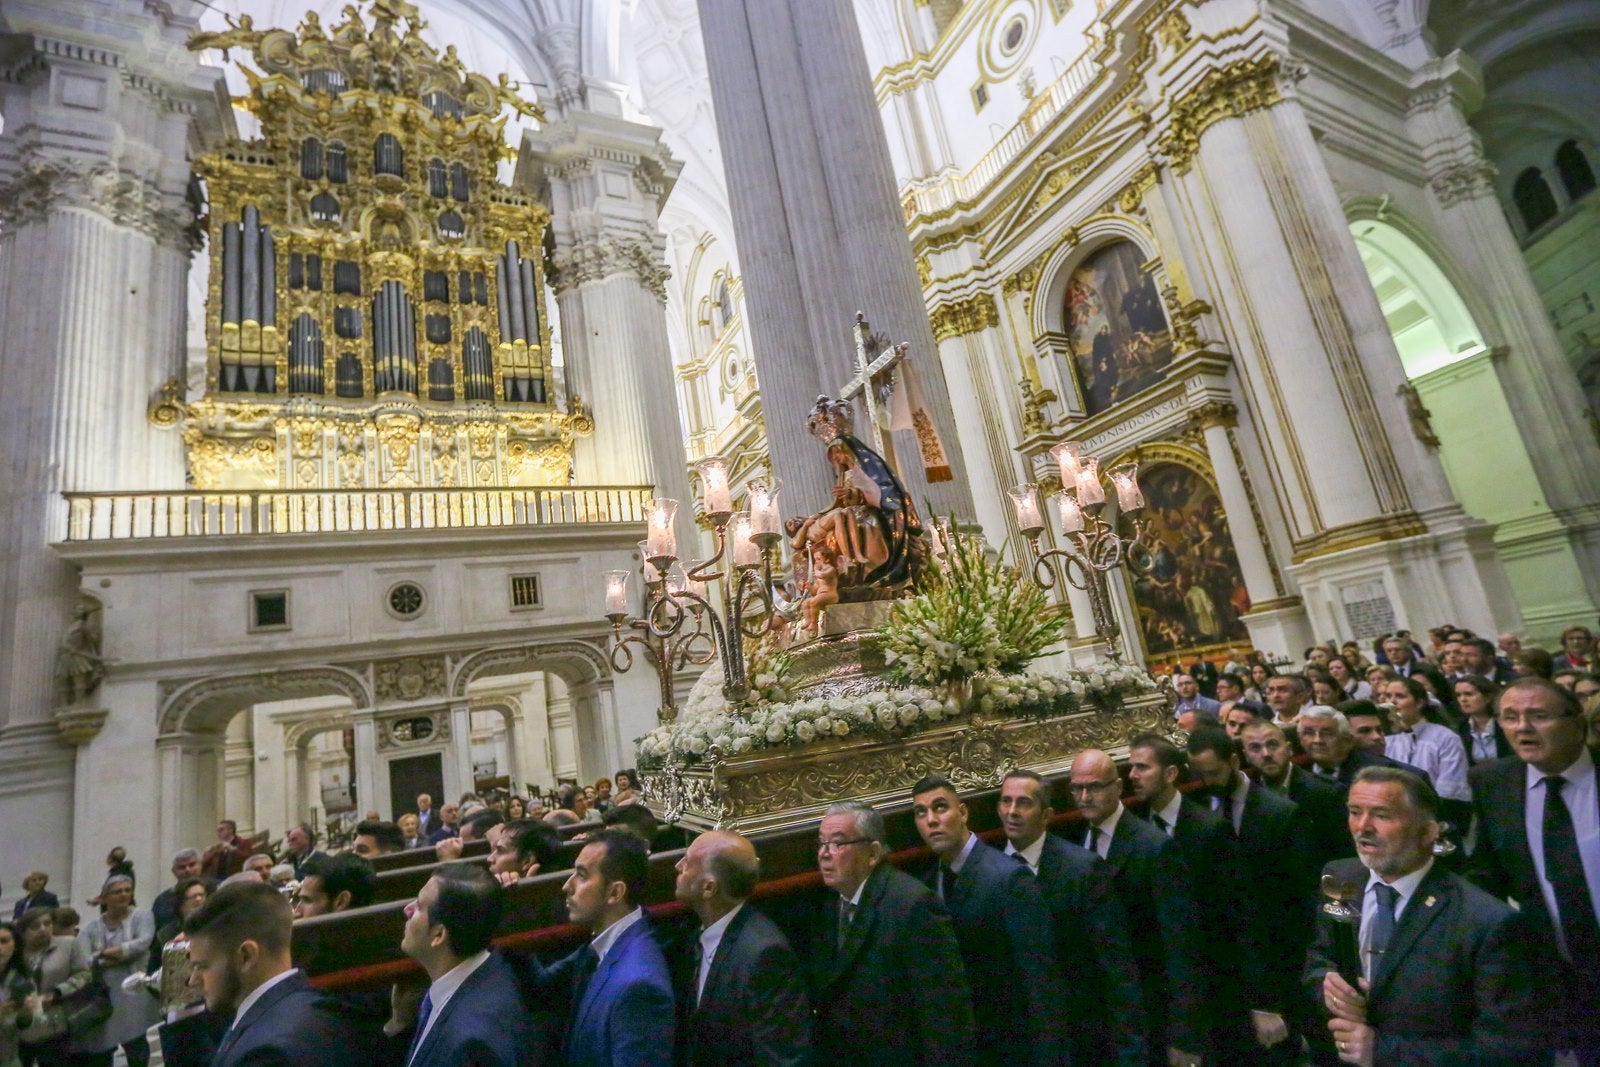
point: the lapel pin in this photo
(1429, 902)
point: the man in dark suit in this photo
(1327, 737)
(1273, 847)
(1157, 894)
(1447, 974)
(1478, 658)
(1217, 1002)
(1320, 800)
(745, 1005)
(620, 987)
(1103, 1009)
(427, 818)
(185, 864)
(300, 847)
(34, 894)
(887, 984)
(239, 953)
(1537, 840)
(449, 824)
(999, 915)
(472, 1014)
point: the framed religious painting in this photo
(1116, 327)
(1190, 598)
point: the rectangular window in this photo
(269, 610)
(524, 591)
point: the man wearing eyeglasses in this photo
(1539, 839)
(887, 984)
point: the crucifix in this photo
(868, 370)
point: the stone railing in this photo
(938, 193)
(127, 516)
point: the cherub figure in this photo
(240, 33)
(505, 91)
(824, 586)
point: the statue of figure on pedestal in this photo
(868, 544)
(79, 666)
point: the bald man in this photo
(743, 1001)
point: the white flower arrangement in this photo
(708, 722)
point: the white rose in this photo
(775, 733)
(886, 716)
(696, 745)
(910, 714)
(825, 724)
(841, 729)
(741, 744)
(805, 732)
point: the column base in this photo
(1544, 560)
(1279, 627)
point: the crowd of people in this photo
(1394, 861)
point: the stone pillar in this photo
(458, 777)
(1317, 366)
(371, 781)
(606, 179)
(819, 227)
(534, 744)
(94, 245)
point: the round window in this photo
(417, 729)
(406, 600)
(1011, 39)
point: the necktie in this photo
(423, 1014)
(1382, 926)
(1020, 858)
(847, 914)
(1161, 824)
(588, 962)
(699, 964)
(1563, 869)
(1094, 839)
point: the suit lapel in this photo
(861, 925)
(257, 1011)
(1432, 898)
(602, 974)
(465, 989)
(725, 948)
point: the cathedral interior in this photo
(345, 345)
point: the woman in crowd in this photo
(119, 942)
(1441, 702)
(516, 808)
(15, 990)
(1259, 673)
(190, 894)
(602, 795)
(1531, 661)
(1325, 690)
(1354, 657)
(58, 967)
(1479, 733)
(1342, 671)
(627, 788)
(410, 830)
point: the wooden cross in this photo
(867, 369)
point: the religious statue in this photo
(240, 33)
(1421, 418)
(79, 667)
(868, 544)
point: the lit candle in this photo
(1090, 491)
(1071, 513)
(616, 595)
(1126, 480)
(717, 495)
(1026, 501)
(651, 575)
(763, 508)
(1069, 456)
(746, 553)
(661, 542)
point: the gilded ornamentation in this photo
(959, 318)
(1182, 319)
(409, 678)
(167, 408)
(1132, 195)
(1228, 92)
(1224, 413)
(1421, 418)
(1034, 420)
(227, 463)
(767, 789)
(1173, 31)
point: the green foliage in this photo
(976, 614)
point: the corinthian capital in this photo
(44, 185)
(598, 258)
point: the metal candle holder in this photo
(1345, 927)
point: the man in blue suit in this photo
(239, 952)
(472, 1014)
(621, 990)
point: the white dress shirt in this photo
(710, 938)
(440, 992)
(1108, 829)
(1030, 855)
(1437, 750)
(260, 991)
(1484, 746)
(606, 938)
(1169, 813)
(1236, 800)
(1406, 886)
(1579, 794)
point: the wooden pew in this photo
(416, 857)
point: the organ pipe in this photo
(519, 326)
(269, 278)
(502, 300)
(250, 308)
(530, 307)
(230, 272)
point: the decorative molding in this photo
(595, 260)
(409, 678)
(80, 725)
(1359, 535)
(550, 656)
(1224, 413)
(189, 706)
(1226, 93)
(959, 318)
(1463, 181)
(123, 199)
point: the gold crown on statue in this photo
(830, 418)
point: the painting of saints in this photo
(1190, 595)
(1119, 336)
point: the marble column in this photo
(371, 782)
(94, 246)
(458, 776)
(819, 228)
(606, 179)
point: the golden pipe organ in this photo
(376, 313)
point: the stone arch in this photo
(207, 704)
(1079, 244)
(577, 663)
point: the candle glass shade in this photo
(1069, 457)
(716, 494)
(1071, 514)
(766, 528)
(1125, 479)
(616, 595)
(661, 542)
(746, 553)
(1090, 491)
(1025, 499)
(651, 575)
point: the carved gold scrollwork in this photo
(167, 408)
(1227, 92)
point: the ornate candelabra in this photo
(1095, 545)
(680, 625)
